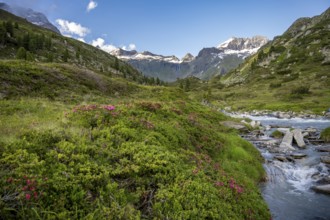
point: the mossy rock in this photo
(277, 134)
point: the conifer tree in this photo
(21, 53)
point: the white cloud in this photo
(100, 42)
(67, 27)
(91, 5)
(129, 47)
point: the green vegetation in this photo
(325, 135)
(277, 134)
(89, 139)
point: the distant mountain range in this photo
(34, 17)
(209, 61)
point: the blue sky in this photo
(171, 27)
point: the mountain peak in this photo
(188, 58)
(34, 17)
(239, 43)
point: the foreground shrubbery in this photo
(130, 161)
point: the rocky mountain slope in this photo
(292, 70)
(209, 61)
(34, 17)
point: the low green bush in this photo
(277, 134)
(141, 160)
(325, 134)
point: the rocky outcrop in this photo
(34, 17)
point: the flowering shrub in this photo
(131, 161)
(109, 107)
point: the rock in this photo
(311, 130)
(298, 155)
(305, 134)
(325, 159)
(299, 138)
(316, 176)
(324, 180)
(271, 143)
(322, 188)
(284, 115)
(255, 124)
(286, 144)
(283, 130)
(280, 158)
(322, 149)
(290, 159)
(327, 115)
(268, 127)
(235, 125)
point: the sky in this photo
(171, 27)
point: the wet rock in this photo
(286, 144)
(280, 158)
(268, 127)
(311, 130)
(297, 134)
(322, 189)
(272, 143)
(298, 155)
(322, 149)
(325, 159)
(255, 124)
(290, 159)
(324, 180)
(316, 176)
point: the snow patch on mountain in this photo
(146, 55)
(243, 47)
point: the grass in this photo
(325, 135)
(116, 149)
(277, 134)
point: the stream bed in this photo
(288, 190)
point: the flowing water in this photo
(287, 191)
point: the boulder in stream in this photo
(325, 159)
(322, 149)
(322, 188)
(286, 144)
(298, 155)
(280, 158)
(297, 134)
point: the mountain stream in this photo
(288, 190)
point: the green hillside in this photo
(84, 137)
(290, 73)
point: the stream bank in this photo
(299, 177)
